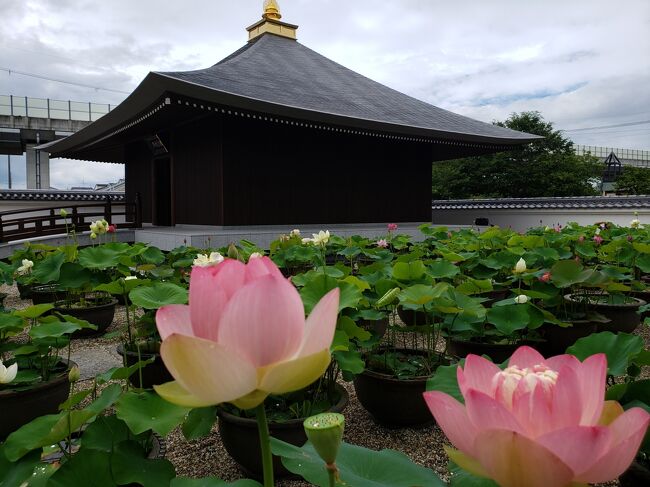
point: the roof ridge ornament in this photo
(271, 10)
(271, 23)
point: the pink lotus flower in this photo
(382, 243)
(112, 228)
(545, 277)
(243, 336)
(392, 227)
(539, 422)
(598, 239)
(581, 238)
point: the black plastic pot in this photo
(623, 317)
(24, 290)
(241, 439)
(393, 402)
(378, 327)
(100, 315)
(412, 317)
(154, 373)
(558, 338)
(47, 293)
(20, 407)
(498, 352)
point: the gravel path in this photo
(207, 456)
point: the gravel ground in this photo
(208, 457)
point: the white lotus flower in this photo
(7, 374)
(130, 278)
(255, 255)
(635, 223)
(321, 238)
(521, 299)
(307, 240)
(25, 268)
(204, 260)
(520, 266)
(294, 233)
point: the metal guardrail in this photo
(38, 222)
(631, 154)
(24, 106)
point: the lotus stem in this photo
(265, 445)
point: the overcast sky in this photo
(581, 63)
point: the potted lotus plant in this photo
(397, 368)
(34, 374)
(76, 445)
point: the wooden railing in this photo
(37, 222)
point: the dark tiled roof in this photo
(280, 77)
(282, 71)
(52, 195)
(574, 202)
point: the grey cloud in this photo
(590, 57)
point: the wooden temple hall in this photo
(275, 134)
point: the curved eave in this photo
(156, 85)
(187, 88)
(147, 92)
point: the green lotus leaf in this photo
(158, 295)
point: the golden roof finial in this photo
(271, 10)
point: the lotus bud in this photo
(63, 213)
(294, 233)
(325, 431)
(392, 227)
(7, 374)
(74, 375)
(25, 268)
(233, 253)
(93, 235)
(635, 223)
(129, 278)
(521, 299)
(321, 238)
(520, 266)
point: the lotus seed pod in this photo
(325, 431)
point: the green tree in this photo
(634, 180)
(547, 167)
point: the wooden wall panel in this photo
(277, 174)
(196, 161)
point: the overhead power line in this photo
(627, 124)
(39, 76)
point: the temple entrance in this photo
(162, 192)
